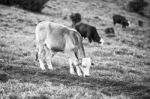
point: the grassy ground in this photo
(122, 65)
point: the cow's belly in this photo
(59, 43)
(55, 44)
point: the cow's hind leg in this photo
(41, 57)
(77, 64)
(49, 56)
(79, 71)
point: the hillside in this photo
(121, 67)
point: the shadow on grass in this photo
(61, 76)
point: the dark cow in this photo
(140, 23)
(119, 19)
(110, 32)
(84, 29)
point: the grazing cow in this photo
(119, 19)
(140, 23)
(84, 29)
(52, 38)
(110, 32)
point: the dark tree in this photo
(137, 6)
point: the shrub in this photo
(32, 5)
(137, 6)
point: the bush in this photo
(32, 5)
(137, 6)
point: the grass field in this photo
(121, 67)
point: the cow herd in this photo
(53, 37)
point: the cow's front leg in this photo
(77, 63)
(77, 66)
(71, 66)
(79, 71)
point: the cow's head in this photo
(97, 38)
(86, 64)
(75, 17)
(126, 23)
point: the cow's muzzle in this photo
(101, 41)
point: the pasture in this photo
(121, 67)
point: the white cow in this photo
(52, 38)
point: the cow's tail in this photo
(36, 54)
(81, 50)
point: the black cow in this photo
(140, 23)
(119, 19)
(84, 29)
(110, 32)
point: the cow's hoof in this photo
(80, 74)
(43, 69)
(47, 70)
(50, 69)
(72, 73)
(87, 76)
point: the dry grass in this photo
(121, 67)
